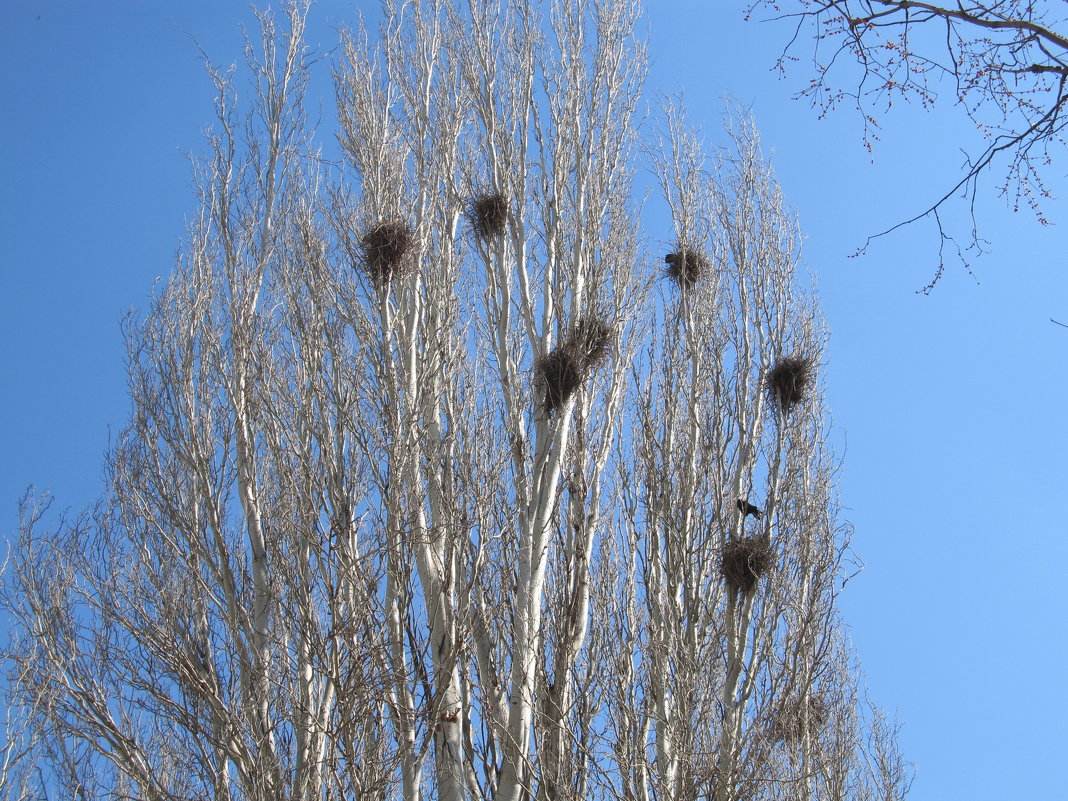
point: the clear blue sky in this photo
(949, 410)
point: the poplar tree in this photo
(439, 481)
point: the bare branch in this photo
(1007, 63)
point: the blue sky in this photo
(948, 410)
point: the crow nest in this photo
(385, 246)
(562, 371)
(745, 560)
(685, 267)
(790, 721)
(488, 214)
(788, 381)
(591, 338)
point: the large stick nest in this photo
(591, 339)
(563, 370)
(385, 246)
(789, 380)
(685, 267)
(488, 214)
(791, 724)
(560, 372)
(745, 560)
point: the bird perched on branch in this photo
(747, 508)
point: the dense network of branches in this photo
(403, 512)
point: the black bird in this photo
(747, 508)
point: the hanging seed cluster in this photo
(745, 560)
(789, 380)
(385, 247)
(685, 267)
(563, 370)
(488, 214)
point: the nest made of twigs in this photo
(789, 379)
(488, 214)
(790, 721)
(591, 339)
(685, 267)
(385, 246)
(745, 560)
(560, 372)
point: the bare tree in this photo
(427, 491)
(17, 757)
(1005, 63)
